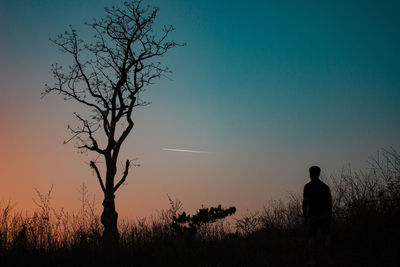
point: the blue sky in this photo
(270, 87)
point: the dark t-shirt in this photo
(317, 200)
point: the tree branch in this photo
(93, 165)
(123, 177)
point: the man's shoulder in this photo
(308, 186)
(322, 184)
(316, 185)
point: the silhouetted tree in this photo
(186, 223)
(106, 75)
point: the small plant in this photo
(185, 223)
(249, 223)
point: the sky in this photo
(266, 88)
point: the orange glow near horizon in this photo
(33, 156)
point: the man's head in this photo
(315, 171)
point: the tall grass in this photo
(365, 231)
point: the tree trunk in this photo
(109, 219)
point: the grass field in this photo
(365, 230)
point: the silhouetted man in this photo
(317, 212)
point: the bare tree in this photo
(106, 75)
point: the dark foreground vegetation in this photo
(365, 231)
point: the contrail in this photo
(185, 150)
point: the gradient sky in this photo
(268, 87)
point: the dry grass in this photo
(365, 230)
